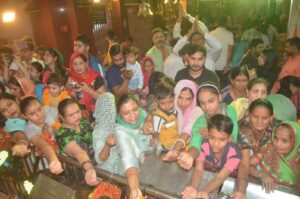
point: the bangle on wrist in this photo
(180, 140)
(86, 162)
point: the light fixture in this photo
(8, 16)
(96, 1)
(28, 186)
(61, 9)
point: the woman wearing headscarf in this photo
(188, 111)
(279, 160)
(86, 85)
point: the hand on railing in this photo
(20, 150)
(189, 192)
(238, 195)
(185, 160)
(136, 194)
(91, 177)
(55, 167)
(172, 155)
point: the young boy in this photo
(135, 85)
(217, 154)
(165, 123)
(54, 93)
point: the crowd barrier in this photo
(159, 180)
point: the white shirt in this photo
(172, 65)
(213, 49)
(226, 38)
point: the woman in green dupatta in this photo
(279, 160)
(131, 141)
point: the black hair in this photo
(294, 41)
(115, 50)
(188, 89)
(53, 79)
(240, 70)
(7, 96)
(186, 25)
(196, 48)
(207, 86)
(124, 99)
(184, 50)
(63, 104)
(26, 102)
(38, 66)
(254, 42)
(164, 89)
(59, 69)
(285, 84)
(261, 102)
(221, 123)
(196, 33)
(111, 34)
(2, 87)
(14, 82)
(153, 81)
(83, 38)
(132, 49)
(257, 80)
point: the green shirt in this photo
(202, 123)
(157, 57)
(83, 137)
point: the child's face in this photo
(49, 59)
(209, 102)
(131, 58)
(149, 68)
(9, 108)
(217, 140)
(15, 90)
(166, 104)
(260, 118)
(35, 113)
(184, 100)
(72, 114)
(283, 141)
(55, 89)
(129, 112)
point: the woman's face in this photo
(283, 141)
(35, 113)
(79, 65)
(129, 112)
(240, 83)
(209, 102)
(257, 91)
(185, 99)
(260, 118)
(15, 90)
(149, 67)
(34, 73)
(49, 59)
(72, 115)
(9, 108)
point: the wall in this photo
(20, 27)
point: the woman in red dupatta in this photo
(85, 84)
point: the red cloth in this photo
(145, 74)
(88, 78)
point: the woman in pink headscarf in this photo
(188, 111)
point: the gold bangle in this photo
(181, 140)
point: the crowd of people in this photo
(187, 103)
